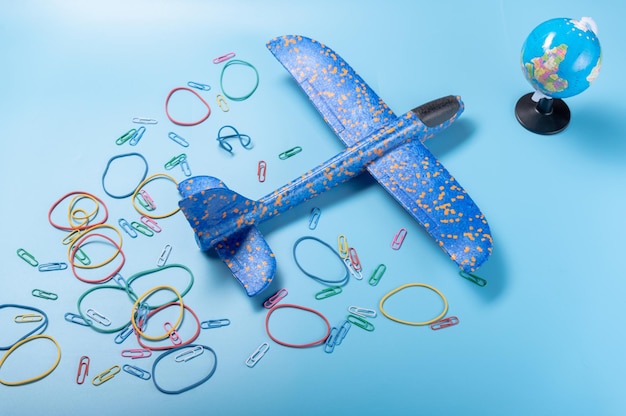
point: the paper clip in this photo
(48, 267)
(71, 237)
(27, 257)
(98, 317)
(83, 369)
(125, 137)
(222, 103)
(224, 58)
(314, 218)
(199, 86)
(28, 317)
(362, 312)
(396, 243)
(142, 228)
(184, 166)
(136, 353)
(173, 162)
(173, 334)
(82, 257)
(257, 355)
(176, 138)
(377, 274)
(214, 323)
(328, 292)
(473, 278)
(44, 295)
(123, 334)
(342, 245)
(119, 280)
(106, 375)
(142, 120)
(137, 136)
(151, 223)
(444, 323)
(261, 170)
(355, 273)
(360, 322)
(329, 345)
(289, 153)
(189, 354)
(275, 298)
(141, 314)
(354, 259)
(147, 199)
(76, 319)
(165, 254)
(343, 331)
(136, 371)
(124, 225)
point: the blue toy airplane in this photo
(389, 147)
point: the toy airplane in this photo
(389, 147)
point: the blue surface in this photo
(543, 337)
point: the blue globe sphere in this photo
(562, 57)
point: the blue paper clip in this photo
(137, 136)
(125, 225)
(98, 317)
(214, 323)
(184, 166)
(254, 358)
(119, 280)
(76, 319)
(377, 275)
(328, 292)
(177, 139)
(123, 334)
(314, 218)
(48, 267)
(343, 331)
(473, 278)
(44, 295)
(199, 86)
(360, 322)
(329, 345)
(136, 371)
(189, 354)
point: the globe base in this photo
(548, 116)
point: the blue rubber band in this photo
(339, 282)
(42, 326)
(145, 173)
(191, 386)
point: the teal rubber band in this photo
(238, 62)
(133, 296)
(88, 321)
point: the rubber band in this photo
(244, 139)
(238, 62)
(191, 386)
(146, 295)
(182, 344)
(82, 227)
(144, 183)
(89, 322)
(40, 376)
(72, 213)
(183, 123)
(287, 344)
(134, 277)
(73, 248)
(396, 290)
(42, 326)
(339, 282)
(106, 169)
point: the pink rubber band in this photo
(183, 123)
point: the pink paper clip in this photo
(135, 353)
(174, 337)
(261, 170)
(444, 323)
(275, 298)
(398, 239)
(151, 223)
(147, 199)
(224, 58)
(354, 259)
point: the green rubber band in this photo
(133, 296)
(89, 321)
(238, 62)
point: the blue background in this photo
(543, 337)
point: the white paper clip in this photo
(355, 273)
(143, 120)
(257, 354)
(165, 254)
(362, 312)
(189, 354)
(98, 317)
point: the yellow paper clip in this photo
(28, 317)
(342, 244)
(221, 102)
(106, 375)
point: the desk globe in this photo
(560, 58)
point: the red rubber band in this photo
(80, 227)
(169, 347)
(183, 123)
(286, 344)
(109, 276)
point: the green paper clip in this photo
(378, 273)
(27, 257)
(328, 292)
(360, 322)
(82, 257)
(473, 278)
(288, 153)
(44, 295)
(125, 137)
(142, 228)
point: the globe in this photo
(562, 57)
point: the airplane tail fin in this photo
(217, 216)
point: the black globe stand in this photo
(547, 116)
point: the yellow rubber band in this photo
(148, 294)
(396, 290)
(71, 212)
(36, 378)
(102, 263)
(144, 183)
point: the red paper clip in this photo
(275, 298)
(354, 259)
(224, 58)
(83, 369)
(398, 239)
(444, 323)
(261, 170)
